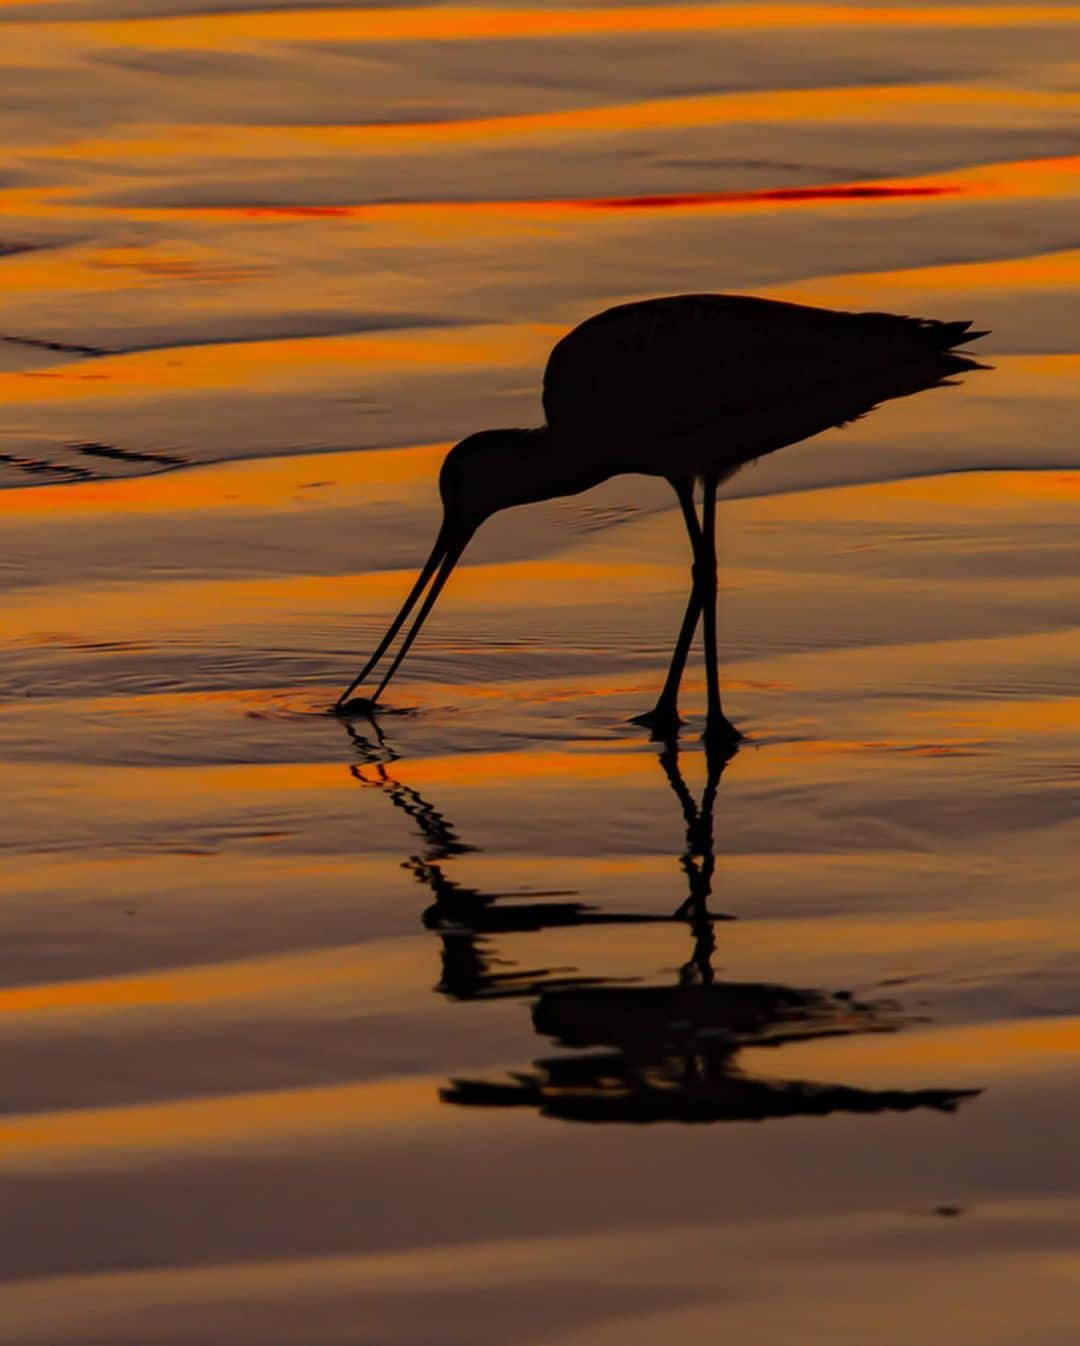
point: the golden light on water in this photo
(487, 1008)
(471, 23)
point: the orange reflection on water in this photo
(1021, 180)
(950, 495)
(1048, 271)
(252, 781)
(911, 103)
(968, 1053)
(1058, 717)
(74, 271)
(1017, 181)
(915, 937)
(276, 361)
(334, 480)
(360, 970)
(451, 23)
(498, 769)
(156, 607)
(85, 1138)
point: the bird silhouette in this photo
(689, 388)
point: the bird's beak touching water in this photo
(445, 554)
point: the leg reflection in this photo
(632, 1052)
(467, 920)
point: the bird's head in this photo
(490, 471)
(482, 474)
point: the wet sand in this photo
(319, 1034)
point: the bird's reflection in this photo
(639, 1053)
(466, 919)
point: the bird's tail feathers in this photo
(949, 335)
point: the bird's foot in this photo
(662, 720)
(721, 737)
(355, 705)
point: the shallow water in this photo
(318, 1031)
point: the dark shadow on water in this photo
(635, 1053)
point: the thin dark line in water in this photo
(41, 466)
(61, 347)
(366, 325)
(94, 450)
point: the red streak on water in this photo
(773, 194)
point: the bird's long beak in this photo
(449, 544)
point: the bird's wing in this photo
(666, 366)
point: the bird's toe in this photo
(663, 723)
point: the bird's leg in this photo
(721, 736)
(663, 719)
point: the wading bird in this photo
(689, 388)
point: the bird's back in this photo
(685, 366)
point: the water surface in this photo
(499, 1022)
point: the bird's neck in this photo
(564, 466)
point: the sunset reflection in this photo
(471, 23)
(627, 975)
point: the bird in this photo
(690, 388)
